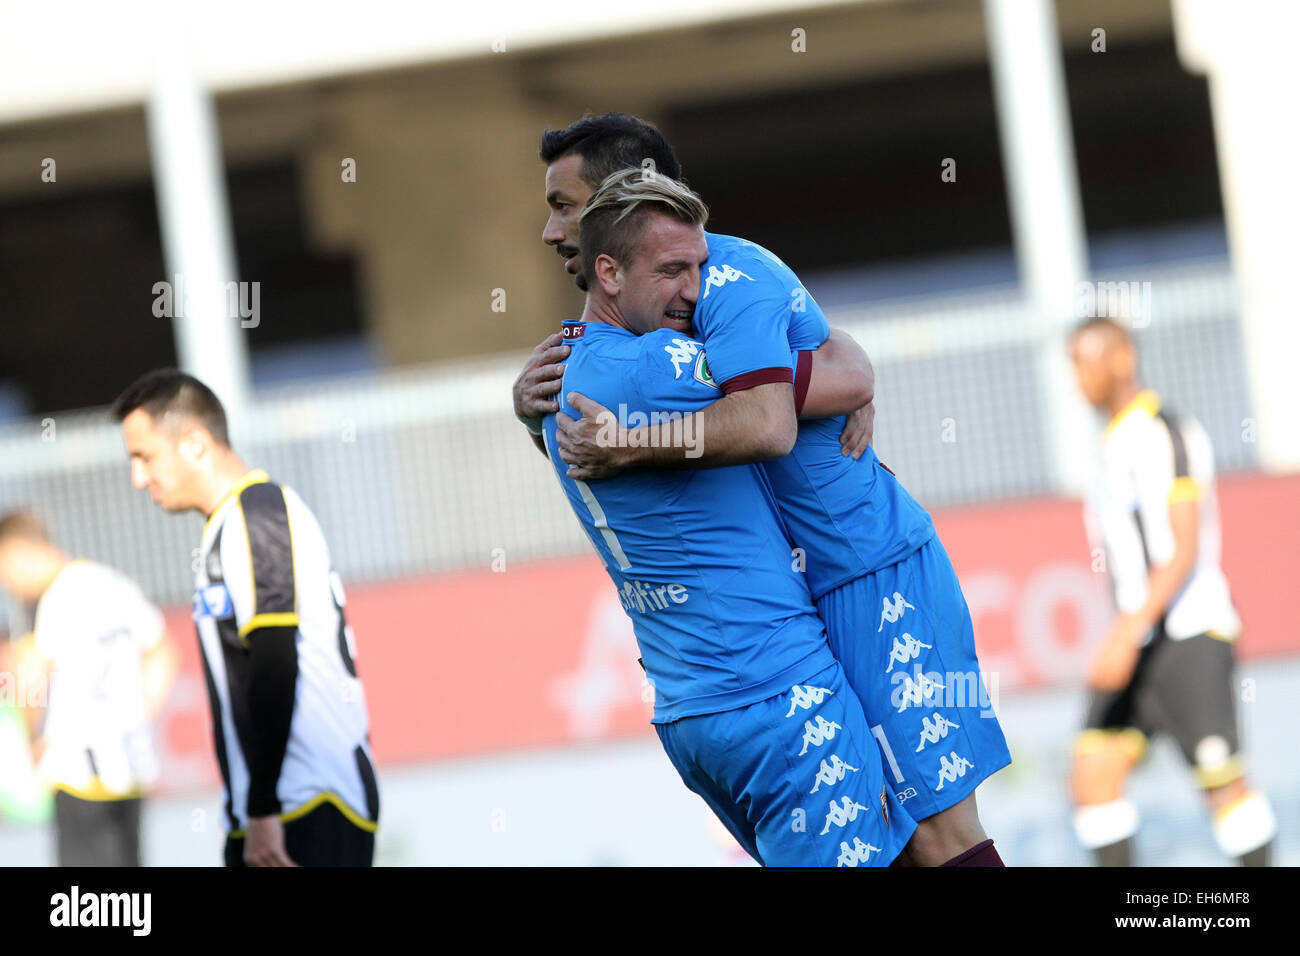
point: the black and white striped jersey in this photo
(264, 563)
(1152, 457)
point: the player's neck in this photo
(1122, 398)
(605, 311)
(226, 473)
(52, 563)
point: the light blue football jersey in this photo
(849, 518)
(700, 558)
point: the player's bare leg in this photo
(1244, 824)
(948, 835)
(1104, 819)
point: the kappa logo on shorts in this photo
(913, 693)
(950, 770)
(807, 697)
(892, 612)
(907, 648)
(932, 731)
(858, 853)
(818, 734)
(717, 278)
(906, 795)
(832, 772)
(841, 814)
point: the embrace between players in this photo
(811, 654)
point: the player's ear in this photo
(193, 445)
(1126, 361)
(608, 275)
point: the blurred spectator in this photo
(100, 647)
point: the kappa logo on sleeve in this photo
(720, 277)
(213, 601)
(680, 352)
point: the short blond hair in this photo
(613, 220)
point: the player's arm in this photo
(273, 677)
(750, 425)
(839, 377)
(1167, 491)
(31, 666)
(840, 381)
(1166, 580)
(160, 665)
(267, 612)
(754, 424)
(538, 383)
(158, 660)
(1163, 484)
(1113, 667)
(749, 360)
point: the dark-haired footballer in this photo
(749, 704)
(288, 711)
(894, 610)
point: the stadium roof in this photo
(93, 56)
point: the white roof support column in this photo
(1046, 215)
(1247, 50)
(194, 216)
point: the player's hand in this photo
(585, 444)
(859, 426)
(539, 382)
(264, 843)
(1113, 666)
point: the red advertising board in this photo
(543, 654)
